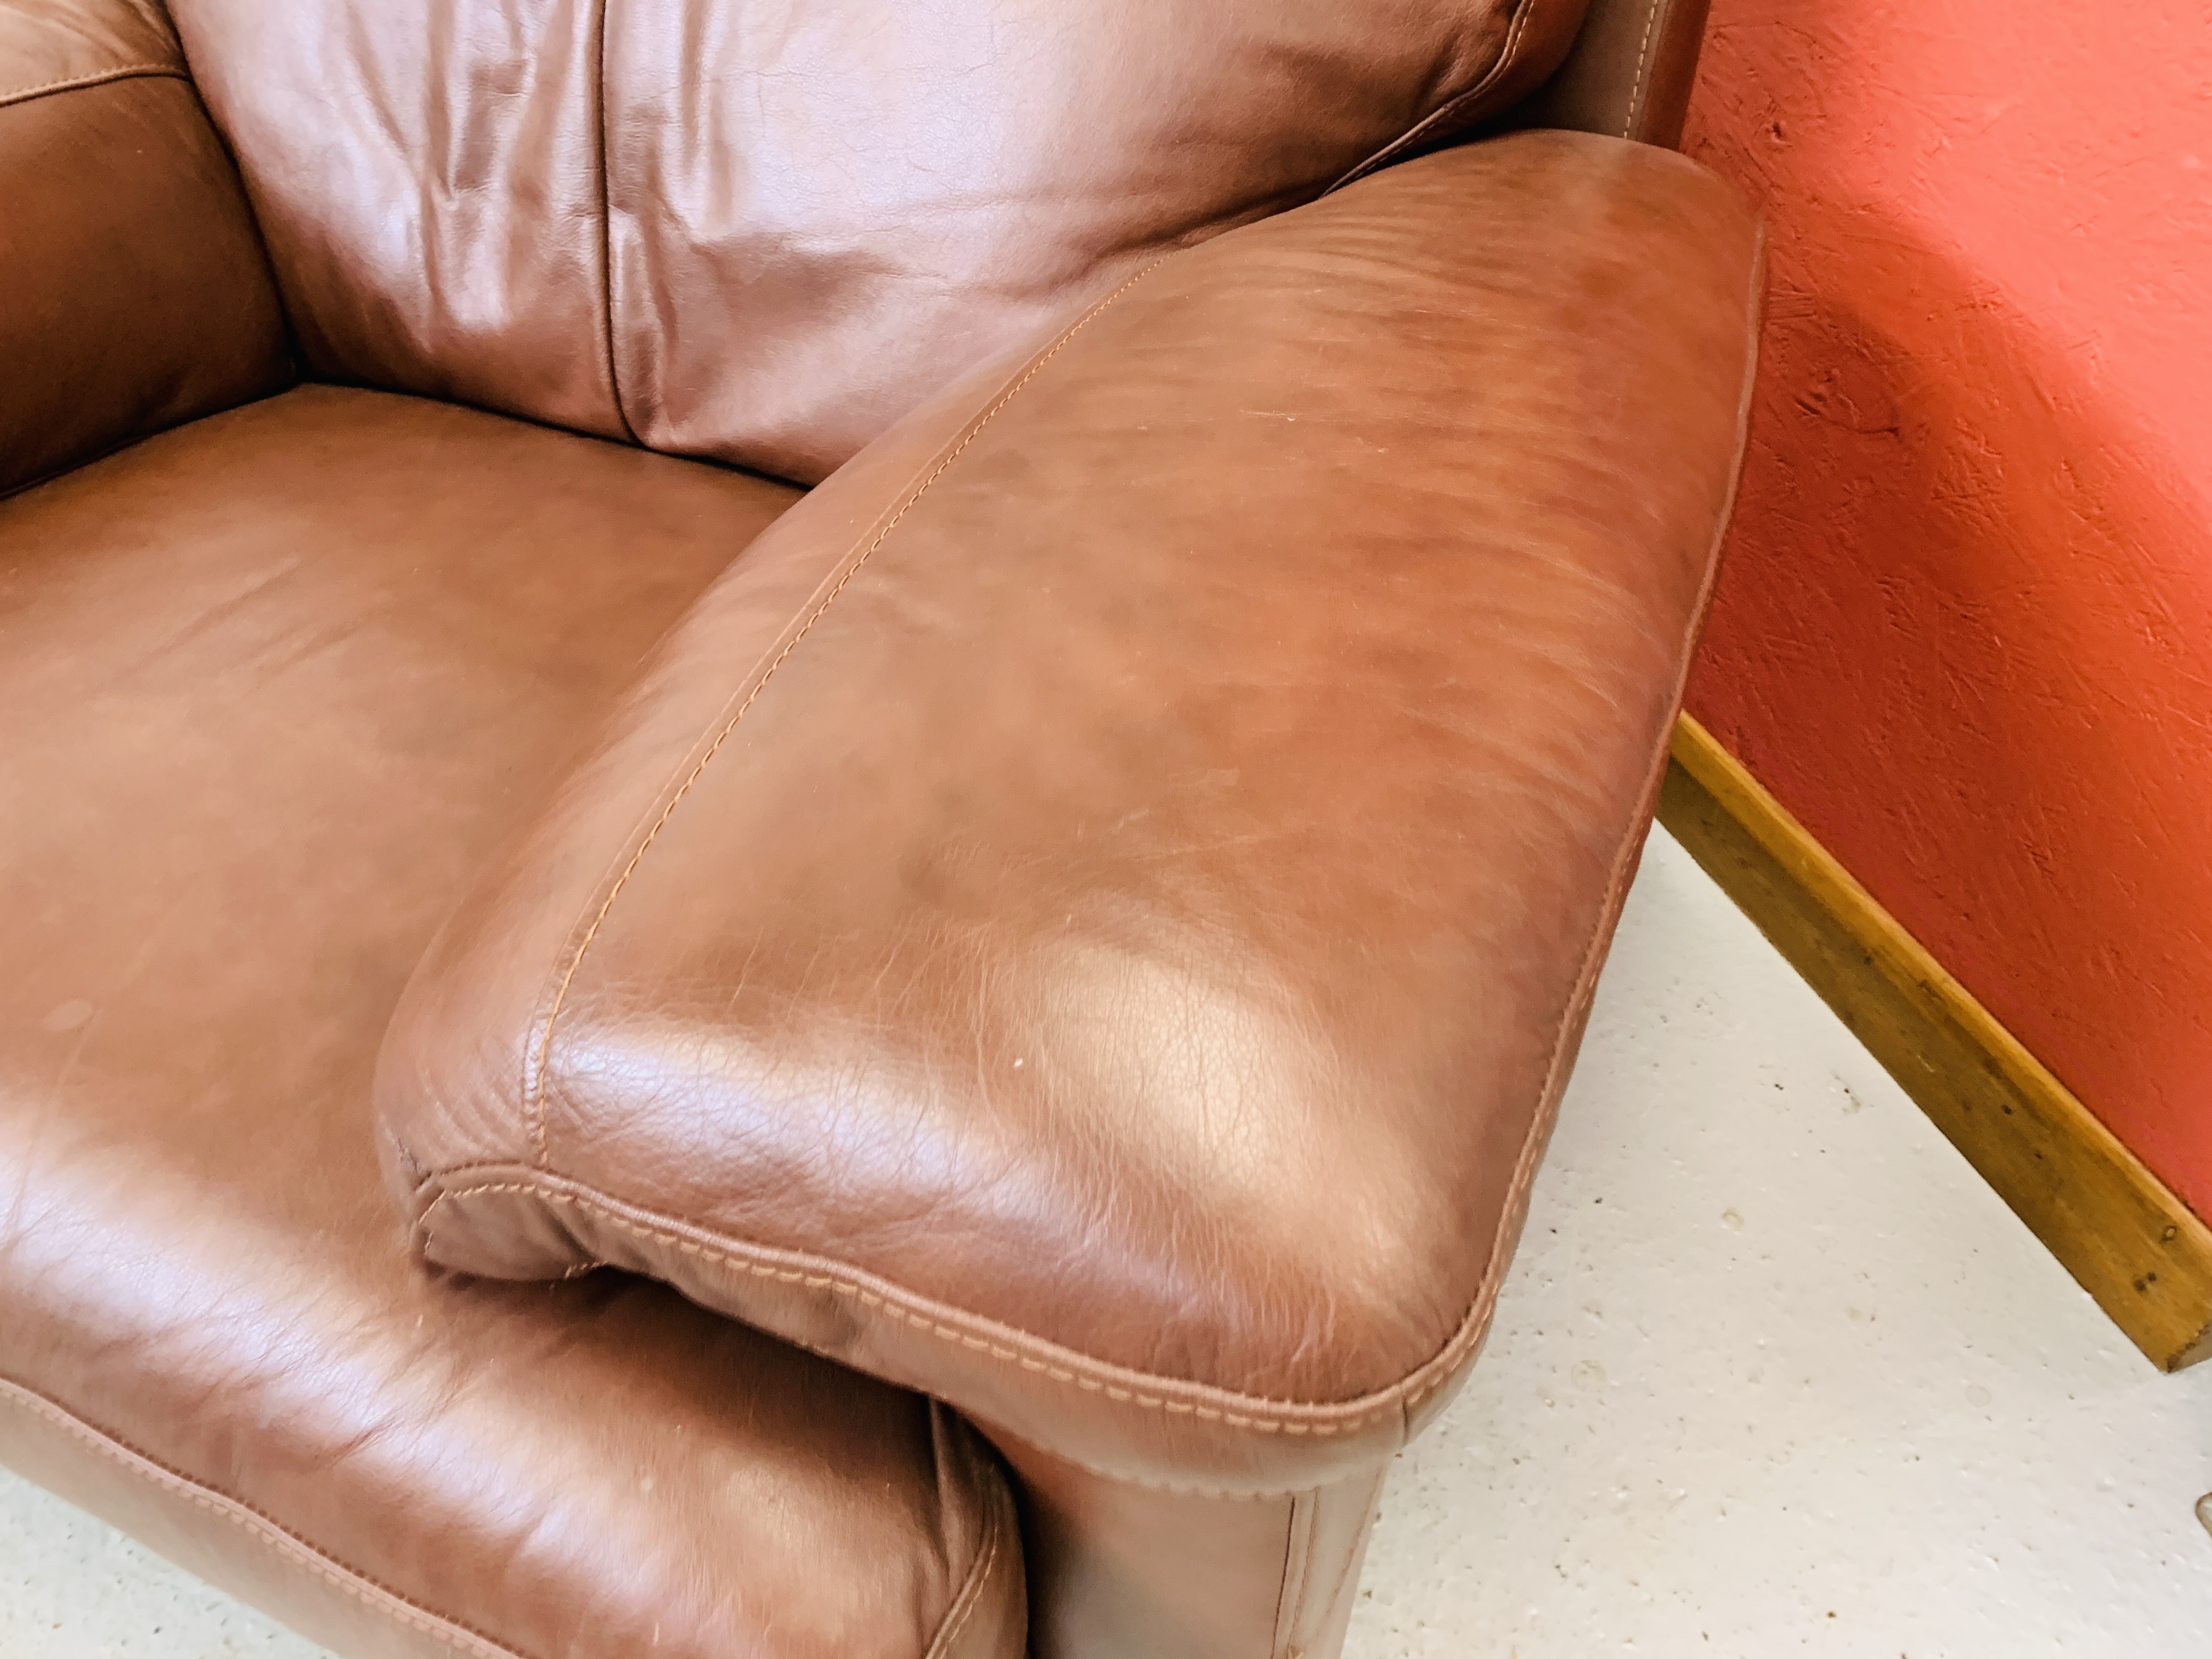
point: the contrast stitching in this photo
(1145, 1483)
(971, 1593)
(128, 72)
(359, 1585)
(1444, 112)
(536, 1103)
(729, 1254)
(1643, 67)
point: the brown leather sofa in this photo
(930, 715)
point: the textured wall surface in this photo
(1965, 630)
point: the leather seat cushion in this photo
(270, 685)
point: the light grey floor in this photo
(1775, 1374)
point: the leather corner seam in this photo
(971, 1592)
(1444, 112)
(1083, 1371)
(535, 1103)
(97, 78)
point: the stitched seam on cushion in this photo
(359, 1585)
(1642, 68)
(730, 1252)
(971, 1593)
(1444, 112)
(733, 1254)
(101, 77)
(536, 1108)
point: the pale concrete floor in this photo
(1775, 1374)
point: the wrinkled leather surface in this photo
(134, 293)
(272, 685)
(1091, 914)
(762, 231)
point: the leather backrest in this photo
(762, 230)
(133, 293)
(1629, 74)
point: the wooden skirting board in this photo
(2134, 1246)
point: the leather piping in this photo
(99, 78)
(1124, 1385)
(979, 1574)
(534, 1109)
(1643, 71)
(379, 1597)
(1444, 112)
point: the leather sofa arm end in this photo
(1091, 916)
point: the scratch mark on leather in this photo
(607, 228)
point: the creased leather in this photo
(760, 233)
(427, 174)
(1089, 917)
(271, 686)
(867, 205)
(134, 294)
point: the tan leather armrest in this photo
(1091, 916)
(134, 292)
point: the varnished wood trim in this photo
(2134, 1245)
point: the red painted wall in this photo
(1965, 631)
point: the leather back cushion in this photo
(762, 230)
